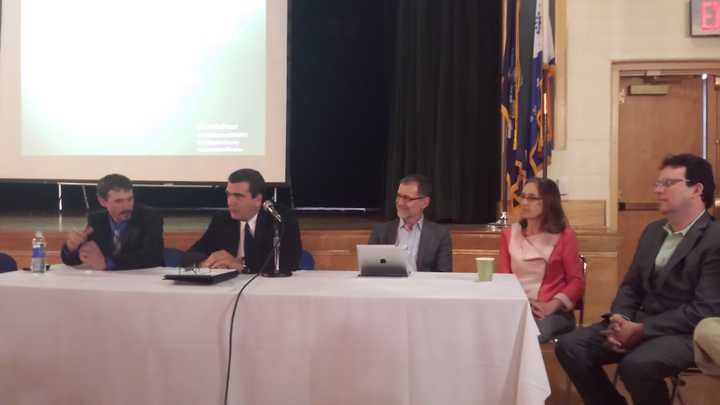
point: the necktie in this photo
(248, 242)
(117, 243)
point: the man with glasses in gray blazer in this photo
(427, 243)
(672, 284)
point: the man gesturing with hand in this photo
(122, 236)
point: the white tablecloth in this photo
(85, 337)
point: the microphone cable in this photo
(235, 307)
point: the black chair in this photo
(7, 263)
(307, 261)
(580, 308)
(677, 380)
(580, 305)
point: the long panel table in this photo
(88, 337)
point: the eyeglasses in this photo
(530, 197)
(666, 183)
(407, 198)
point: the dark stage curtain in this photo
(340, 75)
(444, 119)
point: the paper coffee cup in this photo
(485, 267)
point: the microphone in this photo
(270, 208)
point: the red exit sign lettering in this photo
(704, 17)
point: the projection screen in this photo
(158, 90)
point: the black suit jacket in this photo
(142, 241)
(674, 300)
(435, 247)
(223, 233)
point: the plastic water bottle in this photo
(38, 253)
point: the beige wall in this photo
(600, 32)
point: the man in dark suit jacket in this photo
(672, 284)
(122, 236)
(243, 236)
(427, 242)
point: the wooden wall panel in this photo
(581, 213)
(335, 250)
(585, 213)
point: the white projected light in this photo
(92, 87)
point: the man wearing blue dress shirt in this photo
(121, 236)
(428, 244)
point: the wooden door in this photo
(651, 127)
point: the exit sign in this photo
(705, 17)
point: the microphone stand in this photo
(276, 253)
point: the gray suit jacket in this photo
(674, 300)
(434, 249)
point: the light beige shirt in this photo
(707, 346)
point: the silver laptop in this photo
(384, 260)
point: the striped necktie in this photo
(117, 243)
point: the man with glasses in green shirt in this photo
(672, 284)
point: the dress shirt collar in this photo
(118, 227)
(251, 223)
(685, 230)
(418, 224)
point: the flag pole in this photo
(545, 133)
(502, 220)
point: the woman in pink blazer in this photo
(541, 250)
